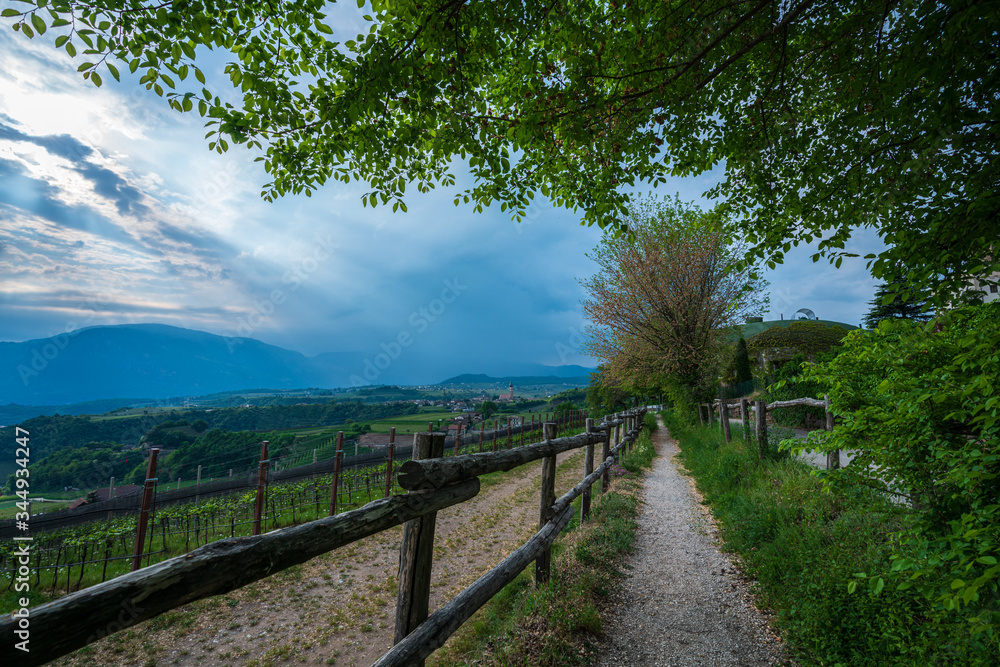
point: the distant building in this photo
(509, 396)
(990, 292)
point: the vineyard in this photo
(75, 557)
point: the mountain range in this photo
(155, 361)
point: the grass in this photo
(802, 543)
(8, 508)
(559, 622)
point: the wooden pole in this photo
(724, 410)
(588, 468)
(745, 418)
(482, 429)
(618, 437)
(701, 417)
(711, 415)
(543, 562)
(458, 439)
(388, 467)
(496, 424)
(416, 552)
(760, 414)
(508, 432)
(832, 458)
(336, 472)
(258, 507)
(147, 500)
(605, 453)
(197, 486)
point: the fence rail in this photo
(500, 436)
(760, 419)
(82, 617)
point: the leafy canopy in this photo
(828, 116)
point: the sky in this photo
(113, 211)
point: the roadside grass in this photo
(802, 543)
(559, 623)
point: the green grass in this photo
(559, 622)
(8, 508)
(802, 543)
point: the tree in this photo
(828, 116)
(742, 362)
(663, 305)
(890, 302)
(488, 408)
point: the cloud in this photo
(19, 190)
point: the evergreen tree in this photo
(743, 373)
(891, 300)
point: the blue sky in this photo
(113, 210)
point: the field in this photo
(77, 557)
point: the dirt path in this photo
(339, 608)
(683, 603)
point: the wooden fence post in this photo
(482, 430)
(336, 472)
(618, 437)
(496, 425)
(388, 467)
(724, 410)
(417, 551)
(605, 453)
(745, 418)
(832, 458)
(147, 499)
(548, 498)
(588, 467)
(760, 415)
(258, 506)
(508, 432)
(701, 417)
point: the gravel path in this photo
(683, 602)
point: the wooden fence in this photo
(432, 483)
(760, 409)
(74, 557)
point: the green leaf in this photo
(114, 71)
(39, 23)
(10, 12)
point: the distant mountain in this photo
(520, 380)
(153, 361)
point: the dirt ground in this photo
(339, 608)
(683, 601)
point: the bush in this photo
(920, 403)
(802, 543)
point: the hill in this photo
(149, 360)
